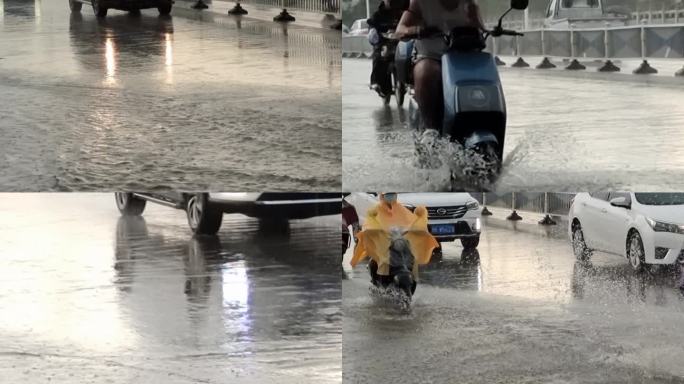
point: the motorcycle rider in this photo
(422, 19)
(374, 241)
(384, 19)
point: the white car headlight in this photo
(660, 226)
(472, 205)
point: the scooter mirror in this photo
(519, 4)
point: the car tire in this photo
(579, 246)
(635, 252)
(470, 242)
(128, 204)
(203, 218)
(165, 9)
(98, 9)
(75, 6)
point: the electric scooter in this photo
(474, 104)
(400, 282)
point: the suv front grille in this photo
(453, 212)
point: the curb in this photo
(262, 13)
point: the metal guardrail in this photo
(638, 42)
(315, 6)
(544, 203)
(670, 16)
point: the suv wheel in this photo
(98, 9)
(128, 204)
(470, 242)
(202, 217)
(635, 252)
(75, 6)
(579, 246)
(164, 8)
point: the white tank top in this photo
(436, 15)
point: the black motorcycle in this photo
(390, 84)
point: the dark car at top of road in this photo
(100, 7)
(205, 210)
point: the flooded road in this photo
(88, 296)
(565, 132)
(518, 310)
(187, 102)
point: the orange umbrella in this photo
(374, 240)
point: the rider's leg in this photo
(427, 80)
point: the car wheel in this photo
(75, 6)
(164, 9)
(635, 252)
(470, 242)
(98, 9)
(203, 218)
(128, 204)
(579, 246)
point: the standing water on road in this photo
(178, 102)
(518, 309)
(89, 296)
(564, 132)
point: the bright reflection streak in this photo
(236, 297)
(110, 60)
(37, 10)
(168, 58)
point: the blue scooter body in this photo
(474, 105)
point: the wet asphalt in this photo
(190, 101)
(566, 132)
(87, 296)
(517, 310)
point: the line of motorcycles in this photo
(474, 103)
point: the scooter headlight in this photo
(479, 98)
(660, 226)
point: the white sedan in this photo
(645, 228)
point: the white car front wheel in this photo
(579, 246)
(635, 252)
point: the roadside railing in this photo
(314, 6)
(663, 16)
(605, 44)
(548, 204)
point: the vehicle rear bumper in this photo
(125, 5)
(289, 208)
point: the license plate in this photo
(443, 229)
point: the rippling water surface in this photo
(130, 102)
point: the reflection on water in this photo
(20, 8)
(126, 43)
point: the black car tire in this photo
(203, 218)
(75, 6)
(470, 242)
(128, 204)
(165, 8)
(99, 10)
(579, 246)
(635, 252)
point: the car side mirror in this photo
(519, 4)
(620, 202)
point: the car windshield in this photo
(660, 198)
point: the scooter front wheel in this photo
(484, 169)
